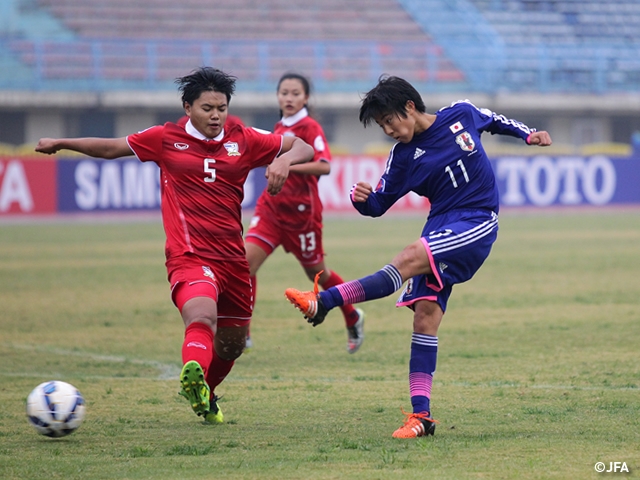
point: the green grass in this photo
(538, 371)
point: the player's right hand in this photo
(360, 192)
(540, 138)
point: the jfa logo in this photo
(613, 467)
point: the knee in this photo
(231, 352)
(427, 321)
(204, 319)
(230, 345)
(202, 310)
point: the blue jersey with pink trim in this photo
(446, 163)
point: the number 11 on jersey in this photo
(449, 170)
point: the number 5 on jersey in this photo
(209, 168)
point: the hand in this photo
(541, 138)
(360, 192)
(47, 145)
(276, 174)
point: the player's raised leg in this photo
(315, 305)
(353, 318)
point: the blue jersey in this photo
(446, 163)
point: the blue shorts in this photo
(457, 243)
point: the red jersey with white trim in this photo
(298, 203)
(202, 184)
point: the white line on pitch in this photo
(166, 371)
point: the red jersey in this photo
(202, 184)
(298, 203)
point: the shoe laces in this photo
(417, 416)
(315, 282)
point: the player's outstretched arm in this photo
(542, 139)
(294, 151)
(94, 147)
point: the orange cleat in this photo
(416, 425)
(308, 303)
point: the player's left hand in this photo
(542, 139)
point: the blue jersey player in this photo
(439, 157)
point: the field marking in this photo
(167, 371)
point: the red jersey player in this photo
(203, 168)
(293, 218)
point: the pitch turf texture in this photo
(538, 372)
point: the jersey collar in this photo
(293, 119)
(191, 130)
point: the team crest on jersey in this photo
(208, 273)
(181, 146)
(409, 288)
(380, 186)
(232, 149)
(465, 141)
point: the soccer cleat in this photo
(416, 425)
(194, 387)
(356, 333)
(308, 303)
(214, 415)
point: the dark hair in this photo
(205, 79)
(306, 84)
(390, 95)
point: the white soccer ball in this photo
(55, 408)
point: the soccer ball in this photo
(55, 408)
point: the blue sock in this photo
(381, 284)
(422, 366)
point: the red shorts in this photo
(226, 282)
(305, 244)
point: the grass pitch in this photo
(538, 370)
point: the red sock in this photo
(349, 312)
(218, 371)
(198, 345)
